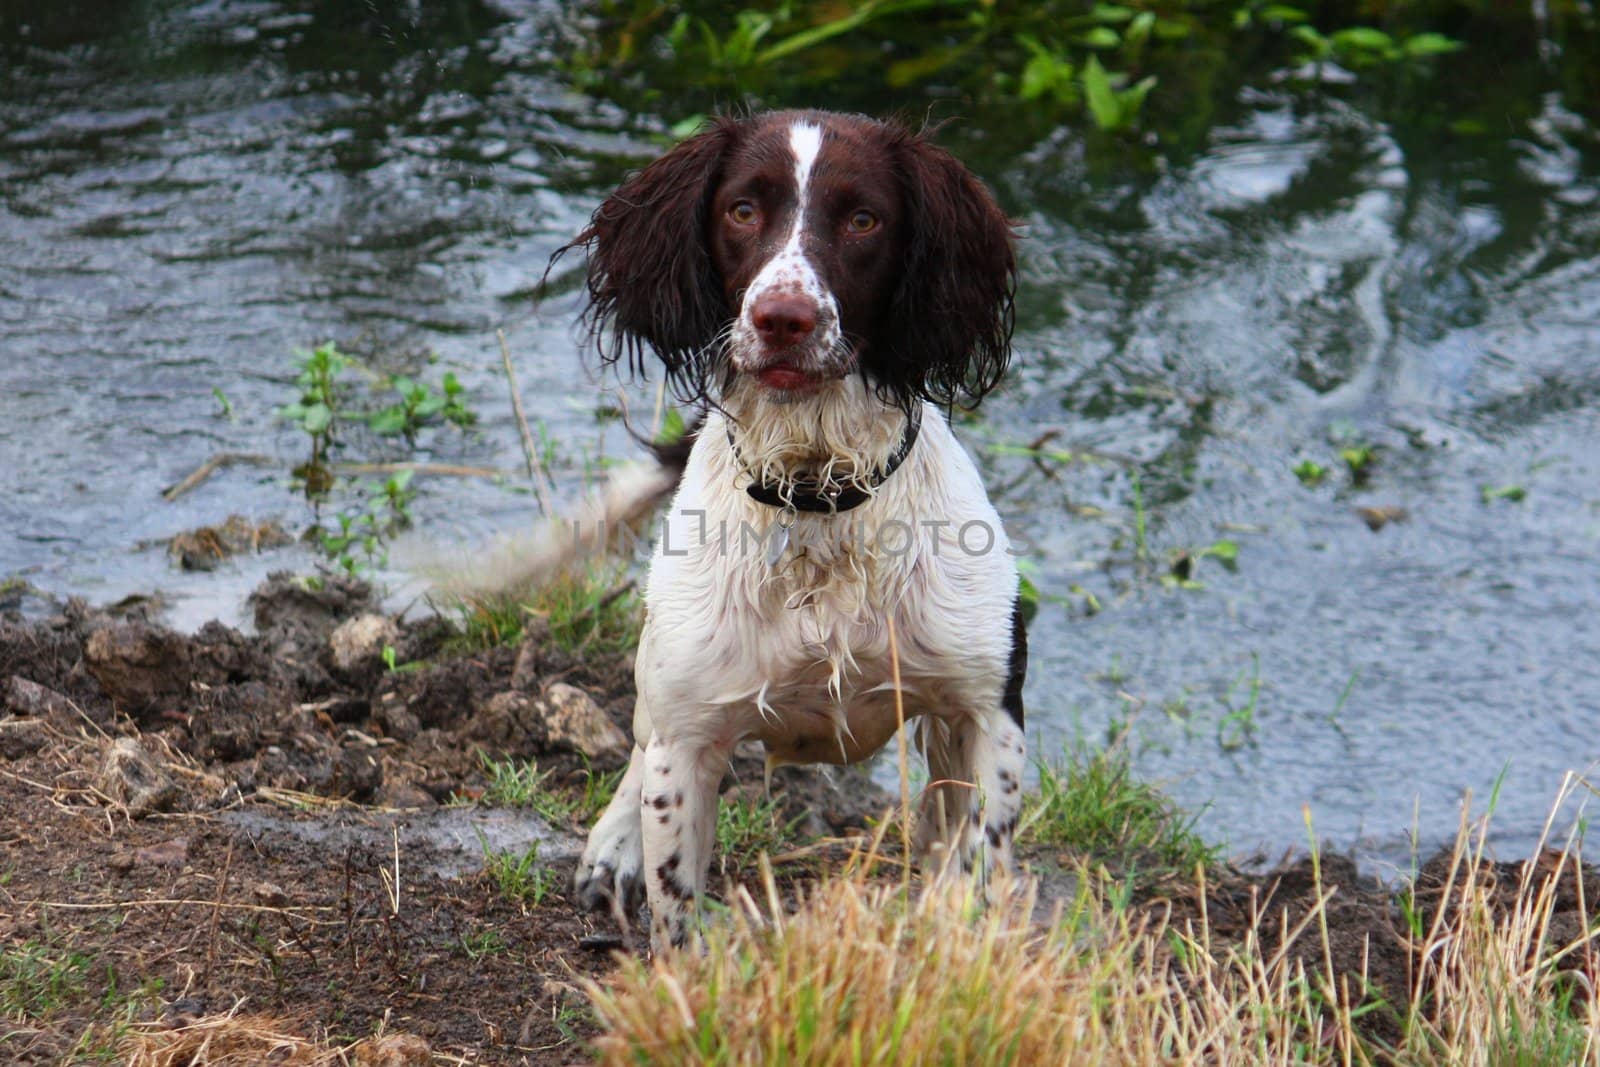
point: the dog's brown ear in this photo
(947, 337)
(652, 285)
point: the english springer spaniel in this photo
(824, 284)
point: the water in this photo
(190, 190)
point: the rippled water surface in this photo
(188, 191)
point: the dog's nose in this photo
(783, 320)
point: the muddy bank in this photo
(283, 825)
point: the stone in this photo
(357, 644)
(130, 776)
(573, 720)
(24, 697)
(393, 1050)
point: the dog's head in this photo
(786, 250)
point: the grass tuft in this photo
(1091, 803)
(521, 784)
(873, 972)
(594, 611)
(519, 878)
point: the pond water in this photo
(188, 191)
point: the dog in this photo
(824, 286)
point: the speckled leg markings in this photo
(982, 764)
(610, 874)
(678, 808)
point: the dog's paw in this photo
(610, 876)
(605, 888)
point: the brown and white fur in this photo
(814, 278)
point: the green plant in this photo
(1047, 73)
(1359, 458)
(1310, 472)
(518, 878)
(481, 943)
(419, 404)
(36, 980)
(1114, 104)
(360, 538)
(1513, 493)
(1090, 802)
(748, 828)
(595, 610)
(317, 409)
(1238, 726)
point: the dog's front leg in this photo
(678, 815)
(972, 816)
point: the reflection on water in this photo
(188, 191)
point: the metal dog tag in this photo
(779, 538)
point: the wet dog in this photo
(826, 285)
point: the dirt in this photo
(280, 825)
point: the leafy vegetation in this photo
(327, 410)
(1098, 59)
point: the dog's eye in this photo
(743, 212)
(863, 221)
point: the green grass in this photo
(1091, 804)
(42, 984)
(521, 784)
(595, 611)
(36, 980)
(747, 827)
(519, 878)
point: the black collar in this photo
(809, 494)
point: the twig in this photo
(446, 470)
(210, 467)
(904, 755)
(216, 917)
(530, 453)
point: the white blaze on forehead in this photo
(789, 270)
(805, 141)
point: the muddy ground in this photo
(284, 826)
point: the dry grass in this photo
(237, 1040)
(865, 972)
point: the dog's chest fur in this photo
(798, 654)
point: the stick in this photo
(210, 467)
(446, 470)
(535, 471)
(905, 758)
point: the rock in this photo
(21, 737)
(357, 644)
(35, 701)
(404, 795)
(396, 719)
(573, 720)
(140, 666)
(172, 853)
(393, 1050)
(530, 663)
(270, 894)
(130, 776)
